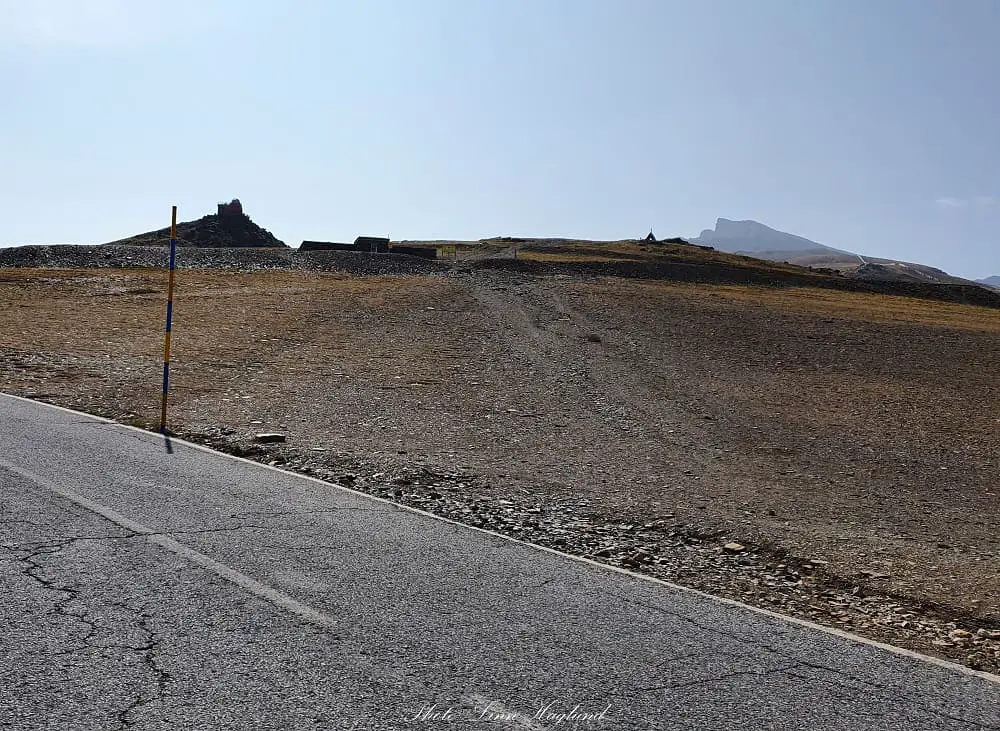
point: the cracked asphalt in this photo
(147, 588)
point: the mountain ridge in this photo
(750, 237)
(755, 239)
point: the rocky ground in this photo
(110, 256)
(828, 455)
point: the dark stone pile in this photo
(70, 256)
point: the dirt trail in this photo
(558, 361)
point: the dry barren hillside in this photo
(830, 454)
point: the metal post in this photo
(170, 312)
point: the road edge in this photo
(900, 651)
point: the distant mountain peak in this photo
(726, 228)
(754, 237)
(729, 226)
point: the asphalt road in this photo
(153, 589)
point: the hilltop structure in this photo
(230, 210)
(229, 227)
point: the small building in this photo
(651, 239)
(232, 209)
(372, 244)
(326, 246)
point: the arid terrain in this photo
(829, 454)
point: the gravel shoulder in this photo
(831, 455)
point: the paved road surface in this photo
(186, 590)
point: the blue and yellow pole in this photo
(170, 313)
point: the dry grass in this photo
(649, 253)
(854, 305)
(215, 313)
(562, 256)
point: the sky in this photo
(865, 125)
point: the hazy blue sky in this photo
(868, 125)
